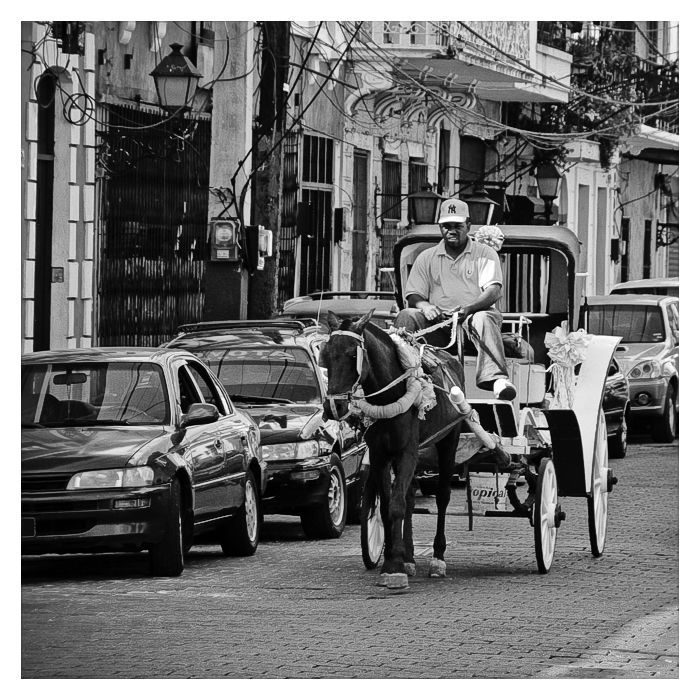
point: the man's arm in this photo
(430, 311)
(484, 301)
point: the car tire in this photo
(617, 443)
(327, 520)
(240, 534)
(167, 557)
(665, 428)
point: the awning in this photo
(453, 72)
(653, 145)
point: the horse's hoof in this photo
(437, 568)
(410, 568)
(396, 581)
(382, 580)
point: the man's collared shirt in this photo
(449, 283)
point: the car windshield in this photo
(662, 291)
(264, 375)
(636, 324)
(95, 393)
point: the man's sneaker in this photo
(503, 389)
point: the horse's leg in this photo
(383, 478)
(405, 466)
(446, 449)
(409, 560)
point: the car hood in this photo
(629, 354)
(82, 447)
(285, 423)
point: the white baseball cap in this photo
(453, 210)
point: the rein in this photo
(391, 410)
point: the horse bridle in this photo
(359, 359)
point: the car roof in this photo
(104, 354)
(242, 338)
(296, 325)
(629, 299)
(342, 307)
(649, 282)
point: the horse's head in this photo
(344, 358)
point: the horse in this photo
(358, 353)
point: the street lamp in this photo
(481, 207)
(176, 80)
(547, 177)
(423, 206)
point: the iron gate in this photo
(152, 228)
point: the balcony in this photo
(488, 60)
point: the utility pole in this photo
(267, 181)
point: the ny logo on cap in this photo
(452, 209)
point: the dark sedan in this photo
(270, 369)
(132, 449)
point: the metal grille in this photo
(315, 260)
(385, 263)
(391, 189)
(288, 233)
(152, 227)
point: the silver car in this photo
(648, 353)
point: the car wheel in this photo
(327, 520)
(167, 557)
(240, 534)
(617, 443)
(665, 428)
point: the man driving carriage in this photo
(465, 275)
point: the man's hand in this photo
(430, 311)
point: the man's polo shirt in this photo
(449, 283)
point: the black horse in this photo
(393, 442)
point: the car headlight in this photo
(111, 478)
(294, 450)
(649, 369)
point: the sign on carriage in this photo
(488, 492)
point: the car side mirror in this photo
(200, 414)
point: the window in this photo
(624, 258)
(472, 159)
(360, 170)
(391, 189)
(318, 160)
(96, 393)
(188, 393)
(391, 33)
(417, 175)
(646, 262)
(207, 389)
(265, 375)
(417, 33)
(444, 161)
(636, 324)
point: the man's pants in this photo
(486, 340)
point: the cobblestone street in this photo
(309, 609)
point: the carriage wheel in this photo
(598, 498)
(371, 529)
(547, 515)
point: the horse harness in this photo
(360, 365)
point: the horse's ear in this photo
(359, 325)
(333, 321)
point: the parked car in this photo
(666, 286)
(271, 369)
(648, 353)
(343, 305)
(616, 406)
(133, 449)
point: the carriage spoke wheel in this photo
(371, 530)
(547, 515)
(598, 497)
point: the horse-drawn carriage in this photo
(549, 442)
